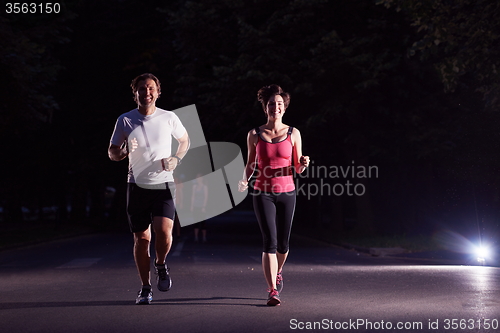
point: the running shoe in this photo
(163, 278)
(279, 282)
(145, 297)
(274, 298)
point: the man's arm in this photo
(171, 162)
(183, 146)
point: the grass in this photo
(411, 243)
(417, 243)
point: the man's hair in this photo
(265, 93)
(142, 77)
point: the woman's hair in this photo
(265, 93)
(142, 77)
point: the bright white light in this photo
(482, 252)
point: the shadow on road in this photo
(242, 301)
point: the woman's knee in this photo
(269, 247)
(283, 249)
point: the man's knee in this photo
(142, 238)
(163, 224)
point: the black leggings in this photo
(274, 212)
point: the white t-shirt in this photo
(154, 137)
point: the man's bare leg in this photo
(163, 227)
(142, 241)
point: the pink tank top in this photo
(274, 169)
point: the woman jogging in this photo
(274, 149)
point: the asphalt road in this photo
(89, 284)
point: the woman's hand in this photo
(304, 161)
(242, 185)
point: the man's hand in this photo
(118, 153)
(134, 144)
(169, 163)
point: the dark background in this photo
(408, 86)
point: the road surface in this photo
(89, 284)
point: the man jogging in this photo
(144, 135)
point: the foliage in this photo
(462, 38)
(29, 67)
(343, 62)
(356, 95)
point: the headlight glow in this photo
(482, 252)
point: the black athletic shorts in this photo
(143, 204)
